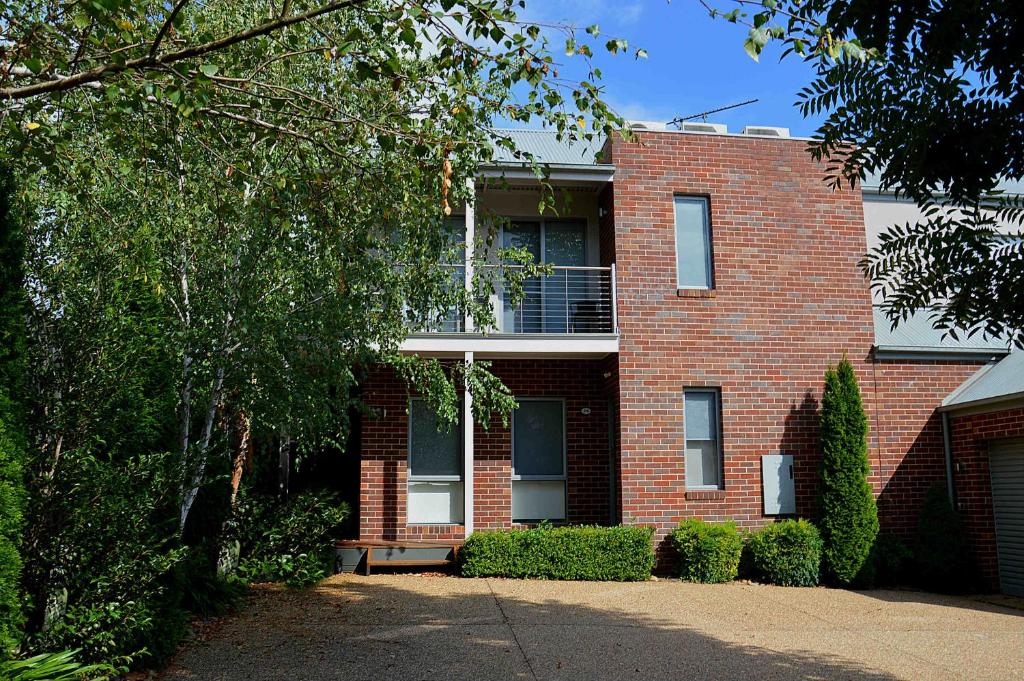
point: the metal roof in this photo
(918, 333)
(997, 382)
(872, 182)
(547, 149)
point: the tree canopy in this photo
(928, 96)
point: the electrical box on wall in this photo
(778, 484)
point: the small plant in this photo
(288, 541)
(849, 516)
(54, 667)
(891, 559)
(942, 555)
(622, 554)
(786, 553)
(708, 552)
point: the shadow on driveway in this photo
(414, 627)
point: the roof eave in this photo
(1002, 401)
(603, 172)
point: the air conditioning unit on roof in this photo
(647, 125)
(706, 128)
(765, 131)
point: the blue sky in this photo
(695, 63)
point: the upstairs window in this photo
(693, 243)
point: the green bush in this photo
(12, 441)
(11, 497)
(891, 558)
(787, 553)
(618, 554)
(849, 516)
(106, 564)
(290, 541)
(707, 552)
(942, 556)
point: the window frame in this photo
(709, 259)
(565, 442)
(719, 449)
(564, 478)
(410, 477)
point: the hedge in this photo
(620, 554)
(707, 552)
(786, 553)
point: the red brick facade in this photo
(907, 456)
(583, 386)
(971, 435)
(789, 300)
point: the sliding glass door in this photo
(546, 305)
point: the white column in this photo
(467, 463)
(470, 239)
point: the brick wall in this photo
(583, 385)
(907, 456)
(788, 301)
(971, 436)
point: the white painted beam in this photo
(467, 463)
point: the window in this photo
(701, 431)
(435, 468)
(538, 460)
(693, 243)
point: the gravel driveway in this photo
(413, 627)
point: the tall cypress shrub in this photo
(12, 489)
(849, 516)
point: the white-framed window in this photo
(702, 434)
(693, 243)
(538, 460)
(435, 493)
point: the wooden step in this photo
(350, 554)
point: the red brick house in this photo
(672, 364)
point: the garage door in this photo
(1006, 462)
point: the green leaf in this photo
(34, 65)
(209, 70)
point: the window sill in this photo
(696, 293)
(705, 494)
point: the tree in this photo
(12, 343)
(930, 96)
(849, 516)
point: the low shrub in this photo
(707, 552)
(942, 557)
(618, 554)
(891, 558)
(288, 541)
(787, 553)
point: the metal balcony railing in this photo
(570, 300)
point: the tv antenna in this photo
(703, 115)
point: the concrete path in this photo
(412, 627)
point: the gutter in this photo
(918, 352)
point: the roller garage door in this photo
(1006, 463)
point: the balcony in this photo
(571, 310)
